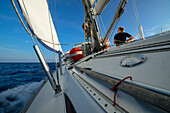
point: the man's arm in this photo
(115, 38)
(114, 41)
(130, 39)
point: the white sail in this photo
(100, 5)
(39, 21)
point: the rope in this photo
(56, 43)
(132, 23)
(28, 31)
(27, 22)
(33, 40)
(115, 88)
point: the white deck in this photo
(47, 101)
(153, 73)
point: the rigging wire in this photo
(136, 12)
(56, 43)
(132, 23)
(102, 23)
(27, 22)
(115, 24)
(56, 19)
(42, 72)
(43, 56)
(52, 35)
(51, 32)
(55, 57)
(32, 37)
(98, 21)
(99, 25)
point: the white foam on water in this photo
(10, 103)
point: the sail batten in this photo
(39, 21)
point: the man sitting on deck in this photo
(120, 37)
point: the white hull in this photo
(84, 91)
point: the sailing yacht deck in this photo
(87, 94)
(47, 101)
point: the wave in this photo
(13, 100)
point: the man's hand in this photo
(114, 41)
(131, 39)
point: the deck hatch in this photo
(132, 60)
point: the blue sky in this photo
(16, 44)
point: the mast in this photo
(90, 14)
(141, 32)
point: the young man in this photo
(120, 37)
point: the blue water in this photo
(18, 82)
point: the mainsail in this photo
(39, 21)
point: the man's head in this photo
(121, 29)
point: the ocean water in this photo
(18, 82)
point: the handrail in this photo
(152, 97)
